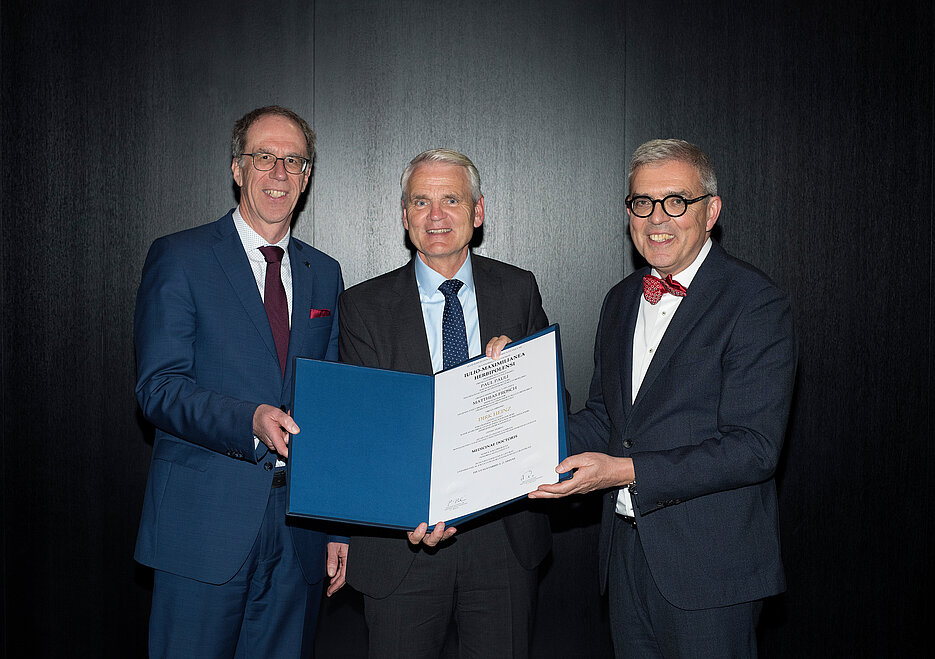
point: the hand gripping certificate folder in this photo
(392, 449)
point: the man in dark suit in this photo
(485, 577)
(684, 424)
(215, 348)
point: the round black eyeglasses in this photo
(674, 205)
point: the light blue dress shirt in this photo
(433, 305)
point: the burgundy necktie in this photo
(274, 299)
(654, 288)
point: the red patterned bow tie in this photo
(654, 288)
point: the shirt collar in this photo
(429, 280)
(252, 241)
(686, 276)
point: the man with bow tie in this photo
(222, 311)
(694, 367)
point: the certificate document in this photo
(395, 449)
(495, 432)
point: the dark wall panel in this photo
(530, 91)
(819, 118)
(72, 449)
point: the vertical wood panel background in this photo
(115, 128)
(530, 91)
(820, 121)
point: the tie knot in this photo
(450, 287)
(272, 253)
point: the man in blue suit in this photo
(221, 312)
(684, 424)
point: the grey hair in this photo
(657, 151)
(242, 125)
(444, 156)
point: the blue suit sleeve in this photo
(756, 375)
(165, 324)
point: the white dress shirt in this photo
(651, 324)
(252, 242)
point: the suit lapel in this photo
(629, 309)
(703, 291)
(303, 283)
(233, 261)
(489, 295)
(406, 308)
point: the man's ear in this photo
(479, 212)
(237, 172)
(712, 211)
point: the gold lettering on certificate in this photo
(494, 414)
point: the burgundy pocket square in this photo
(319, 313)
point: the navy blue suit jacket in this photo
(205, 360)
(382, 327)
(704, 432)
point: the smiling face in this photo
(440, 215)
(267, 199)
(670, 244)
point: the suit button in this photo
(268, 466)
(627, 443)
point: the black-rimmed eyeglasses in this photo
(674, 205)
(266, 161)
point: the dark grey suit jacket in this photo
(704, 432)
(382, 326)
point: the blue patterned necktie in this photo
(454, 336)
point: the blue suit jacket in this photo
(704, 432)
(206, 359)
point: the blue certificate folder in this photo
(364, 451)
